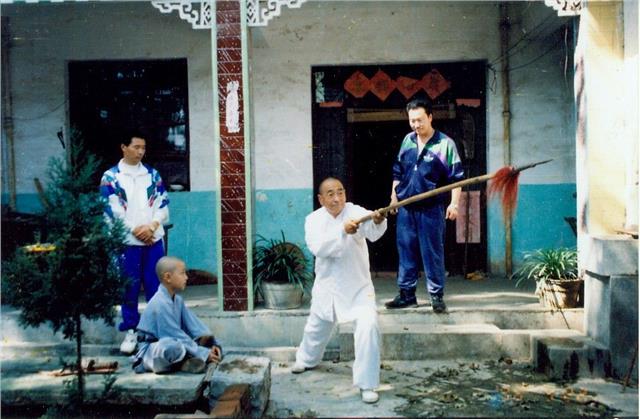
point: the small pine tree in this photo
(81, 277)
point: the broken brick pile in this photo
(234, 403)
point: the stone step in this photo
(570, 357)
(515, 318)
(29, 382)
(67, 351)
(275, 328)
(468, 341)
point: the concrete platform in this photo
(486, 320)
(29, 381)
(491, 301)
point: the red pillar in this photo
(233, 172)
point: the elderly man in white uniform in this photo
(343, 290)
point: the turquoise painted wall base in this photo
(538, 222)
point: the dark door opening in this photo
(357, 139)
(107, 96)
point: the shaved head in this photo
(167, 264)
(324, 183)
(332, 196)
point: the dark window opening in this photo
(152, 95)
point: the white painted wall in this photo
(46, 36)
(363, 32)
(542, 101)
(348, 33)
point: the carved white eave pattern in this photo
(259, 13)
(566, 7)
(199, 13)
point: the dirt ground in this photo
(498, 388)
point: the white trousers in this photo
(160, 356)
(366, 367)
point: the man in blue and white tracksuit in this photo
(427, 160)
(136, 195)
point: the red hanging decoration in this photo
(382, 85)
(434, 83)
(358, 84)
(408, 86)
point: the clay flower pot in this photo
(560, 293)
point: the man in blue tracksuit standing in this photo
(427, 160)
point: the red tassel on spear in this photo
(504, 184)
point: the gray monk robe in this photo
(167, 333)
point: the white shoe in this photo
(128, 345)
(298, 368)
(369, 396)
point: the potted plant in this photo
(555, 272)
(281, 275)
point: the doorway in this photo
(359, 121)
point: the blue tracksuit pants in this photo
(420, 237)
(139, 264)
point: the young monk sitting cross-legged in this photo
(170, 336)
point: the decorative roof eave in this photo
(260, 15)
(199, 12)
(566, 7)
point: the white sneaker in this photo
(369, 396)
(128, 345)
(298, 368)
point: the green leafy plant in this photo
(545, 264)
(77, 276)
(279, 261)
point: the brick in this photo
(235, 392)
(232, 167)
(232, 142)
(235, 293)
(225, 5)
(230, 180)
(227, 409)
(232, 193)
(229, 266)
(235, 304)
(229, 55)
(235, 280)
(232, 155)
(240, 392)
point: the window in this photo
(106, 96)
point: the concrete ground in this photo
(446, 388)
(453, 387)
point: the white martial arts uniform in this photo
(342, 291)
(168, 330)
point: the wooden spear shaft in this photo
(443, 189)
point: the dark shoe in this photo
(437, 303)
(403, 299)
(193, 365)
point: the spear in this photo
(504, 185)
